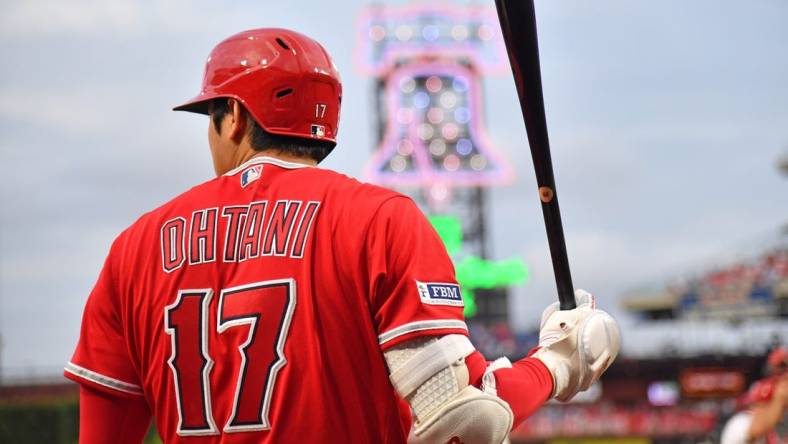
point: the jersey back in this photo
(255, 308)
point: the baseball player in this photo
(284, 303)
(765, 406)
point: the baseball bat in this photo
(518, 23)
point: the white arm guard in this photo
(431, 375)
(577, 346)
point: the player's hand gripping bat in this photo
(518, 23)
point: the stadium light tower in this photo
(427, 61)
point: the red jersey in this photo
(254, 308)
(761, 391)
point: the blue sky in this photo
(666, 122)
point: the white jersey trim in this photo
(104, 380)
(420, 326)
(270, 160)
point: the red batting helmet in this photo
(285, 80)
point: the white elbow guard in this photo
(431, 375)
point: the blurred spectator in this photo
(764, 406)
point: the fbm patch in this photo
(250, 175)
(436, 293)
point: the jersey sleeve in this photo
(414, 289)
(101, 359)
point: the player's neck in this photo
(275, 154)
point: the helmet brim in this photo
(199, 105)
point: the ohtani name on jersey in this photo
(259, 229)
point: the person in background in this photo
(765, 406)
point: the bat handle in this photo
(555, 238)
(566, 293)
(567, 304)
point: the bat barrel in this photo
(518, 23)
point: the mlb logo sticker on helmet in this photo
(318, 131)
(435, 293)
(250, 175)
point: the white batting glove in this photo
(577, 346)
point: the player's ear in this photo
(238, 120)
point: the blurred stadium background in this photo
(671, 123)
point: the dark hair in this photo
(262, 140)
